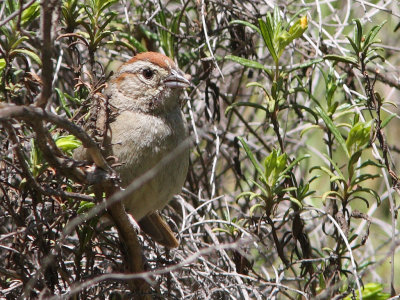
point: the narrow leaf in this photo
(335, 166)
(305, 64)
(296, 201)
(333, 129)
(369, 162)
(247, 63)
(30, 53)
(372, 34)
(267, 35)
(250, 155)
(250, 104)
(331, 193)
(241, 22)
(387, 120)
(295, 162)
(2, 64)
(340, 58)
(358, 33)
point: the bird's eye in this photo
(148, 73)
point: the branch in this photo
(31, 179)
(34, 114)
(48, 7)
(104, 177)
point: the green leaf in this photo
(274, 164)
(307, 109)
(296, 201)
(218, 229)
(85, 206)
(276, 20)
(250, 104)
(267, 34)
(107, 21)
(256, 206)
(251, 195)
(164, 36)
(371, 291)
(31, 13)
(295, 162)
(369, 162)
(248, 63)
(305, 64)
(358, 34)
(337, 178)
(99, 38)
(333, 129)
(18, 42)
(323, 169)
(241, 22)
(375, 56)
(352, 161)
(265, 191)
(257, 84)
(30, 53)
(363, 177)
(369, 40)
(357, 197)
(68, 143)
(63, 102)
(335, 166)
(305, 130)
(340, 58)
(372, 192)
(353, 45)
(358, 137)
(331, 193)
(132, 42)
(250, 155)
(2, 64)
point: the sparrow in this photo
(146, 124)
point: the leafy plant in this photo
(275, 36)
(371, 291)
(272, 175)
(96, 24)
(14, 48)
(362, 45)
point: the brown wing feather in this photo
(154, 225)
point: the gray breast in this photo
(149, 139)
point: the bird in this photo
(146, 124)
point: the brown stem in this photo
(277, 242)
(274, 119)
(47, 65)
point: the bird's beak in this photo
(177, 80)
